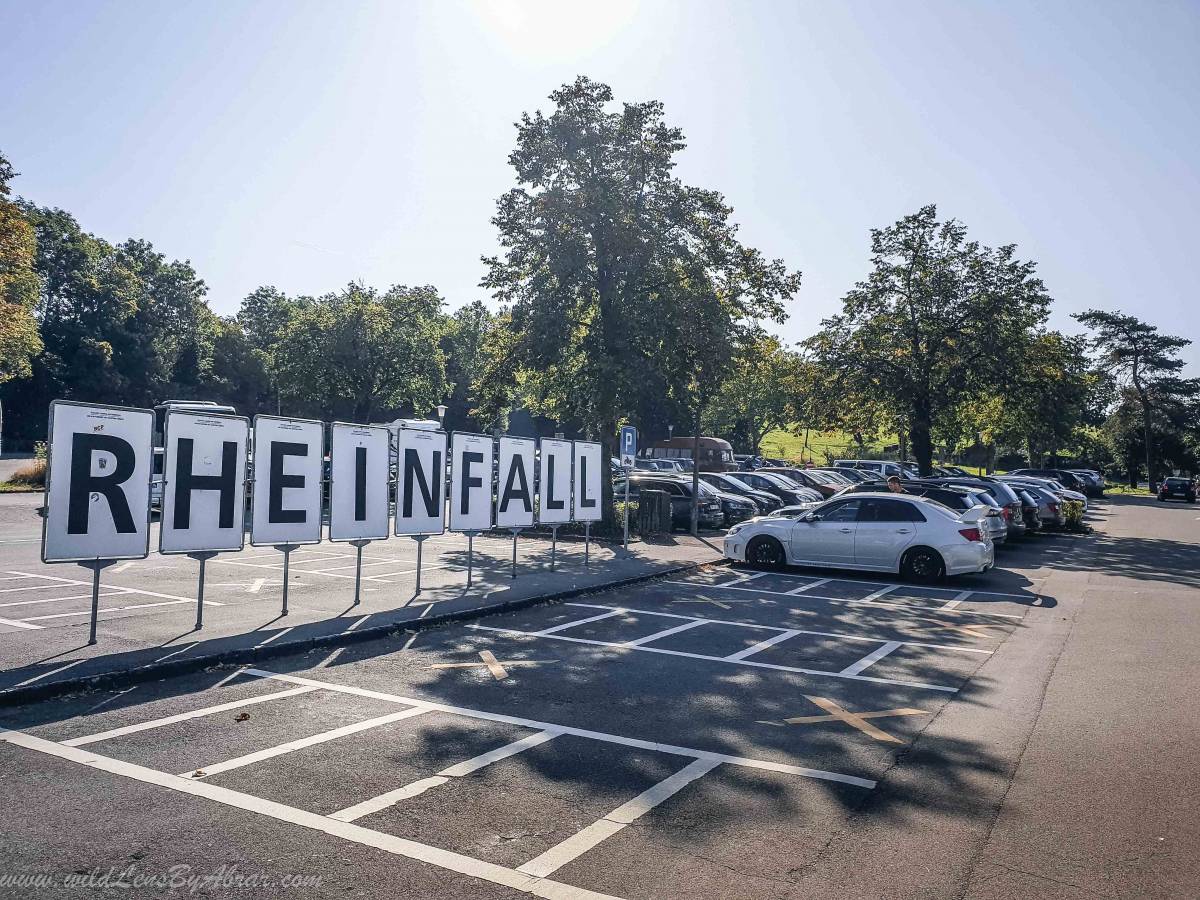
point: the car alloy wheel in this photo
(923, 564)
(765, 553)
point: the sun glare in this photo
(554, 30)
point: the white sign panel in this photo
(554, 482)
(288, 458)
(98, 483)
(514, 482)
(204, 483)
(420, 481)
(358, 495)
(589, 465)
(471, 481)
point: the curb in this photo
(19, 696)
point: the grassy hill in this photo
(789, 445)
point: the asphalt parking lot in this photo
(721, 733)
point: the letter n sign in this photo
(97, 503)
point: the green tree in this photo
(757, 394)
(605, 252)
(19, 338)
(360, 352)
(938, 316)
(1145, 360)
(463, 345)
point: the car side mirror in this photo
(810, 517)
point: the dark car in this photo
(857, 476)
(1175, 488)
(680, 489)
(1069, 480)
(734, 484)
(782, 487)
(810, 478)
(1011, 505)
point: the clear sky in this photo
(306, 144)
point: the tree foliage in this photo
(939, 318)
(19, 338)
(1145, 364)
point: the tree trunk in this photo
(608, 441)
(1146, 438)
(696, 475)
(920, 434)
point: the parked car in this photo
(734, 484)
(1069, 480)
(957, 499)
(839, 476)
(883, 467)
(1176, 488)
(734, 507)
(680, 489)
(858, 476)
(914, 536)
(809, 478)
(781, 486)
(1010, 503)
(1050, 503)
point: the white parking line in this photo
(763, 645)
(879, 593)
(907, 607)
(720, 659)
(830, 634)
(662, 634)
(183, 717)
(128, 590)
(416, 788)
(762, 764)
(958, 598)
(115, 593)
(927, 587)
(625, 814)
(301, 743)
(16, 623)
(444, 859)
(612, 611)
(871, 658)
(808, 587)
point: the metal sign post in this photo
(553, 546)
(95, 565)
(629, 443)
(201, 557)
(358, 546)
(587, 542)
(515, 533)
(286, 550)
(470, 555)
(626, 510)
(420, 539)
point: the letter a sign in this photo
(98, 487)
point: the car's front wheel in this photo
(923, 564)
(765, 553)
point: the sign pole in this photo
(627, 509)
(470, 556)
(553, 546)
(202, 557)
(286, 550)
(420, 539)
(515, 533)
(95, 565)
(358, 545)
(587, 541)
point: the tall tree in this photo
(361, 353)
(604, 248)
(463, 343)
(937, 314)
(19, 338)
(1140, 357)
(757, 393)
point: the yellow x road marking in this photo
(493, 665)
(837, 713)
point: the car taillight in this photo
(1007, 514)
(1053, 507)
(971, 534)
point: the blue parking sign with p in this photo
(628, 445)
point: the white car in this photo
(878, 532)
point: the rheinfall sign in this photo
(100, 482)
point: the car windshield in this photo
(735, 483)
